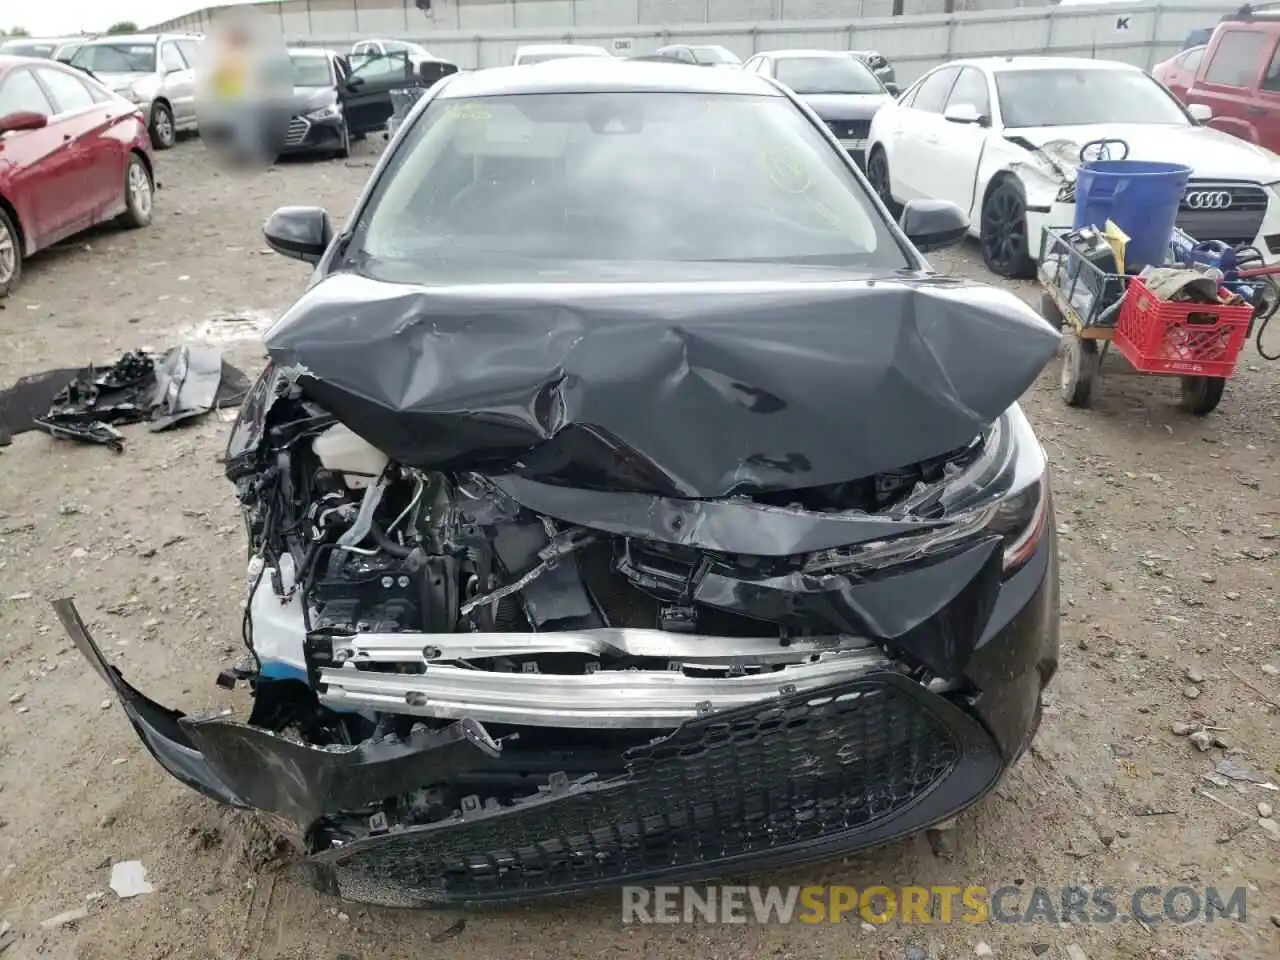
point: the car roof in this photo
(591, 75)
(9, 61)
(1002, 64)
(787, 54)
(141, 38)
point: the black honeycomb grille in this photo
(730, 787)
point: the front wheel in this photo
(878, 175)
(10, 255)
(163, 133)
(1005, 249)
(137, 194)
(1201, 395)
(344, 147)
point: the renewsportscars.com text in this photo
(1149, 905)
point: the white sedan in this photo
(1001, 137)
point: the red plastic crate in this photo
(1185, 339)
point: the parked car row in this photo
(76, 137)
(1001, 138)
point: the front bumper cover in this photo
(802, 776)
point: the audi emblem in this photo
(1208, 200)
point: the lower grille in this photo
(801, 777)
(296, 132)
(1238, 222)
(850, 129)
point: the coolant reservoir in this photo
(340, 451)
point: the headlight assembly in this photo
(1004, 492)
(326, 113)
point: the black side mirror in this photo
(893, 88)
(301, 233)
(933, 224)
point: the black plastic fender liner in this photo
(252, 768)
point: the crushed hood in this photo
(1212, 154)
(685, 389)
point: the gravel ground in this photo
(1169, 614)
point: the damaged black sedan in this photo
(627, 502)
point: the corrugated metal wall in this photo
(485, 33)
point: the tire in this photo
(163, 133)
(878, 176)
(1201, 395)
(344, 151)
(139, 194)
(1005, 248)
(1079, 369)
(1049, 310)
(10, 255)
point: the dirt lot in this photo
(1170, 613)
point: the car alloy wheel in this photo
(878, 174)
(163, 135)
(138, 194)
(1004, 232)
(9, 254)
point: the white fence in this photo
(1139, 33)
(403, 17)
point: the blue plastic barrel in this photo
(1140, 196)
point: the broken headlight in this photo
(1004, 492)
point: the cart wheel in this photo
(1079, 367)
(1201, 395)
(1049, 310)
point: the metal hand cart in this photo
(1199, 343)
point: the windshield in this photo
(116, 57)
(570, 186)
(813, 75)
(546, 55)
(714, 55)
(310, 71)
(1066, 97)
(19, 48)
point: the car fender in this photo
(20, 215)
(1039, 172)
(881, 132)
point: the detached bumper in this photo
(794, 778)
(818, 766)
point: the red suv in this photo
(1236, 75)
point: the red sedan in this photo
(72, 154)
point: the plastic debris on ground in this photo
(89, 405)
(129, 879)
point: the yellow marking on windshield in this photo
(469, 111)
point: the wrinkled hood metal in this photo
(1211, 153)
(686, 389)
